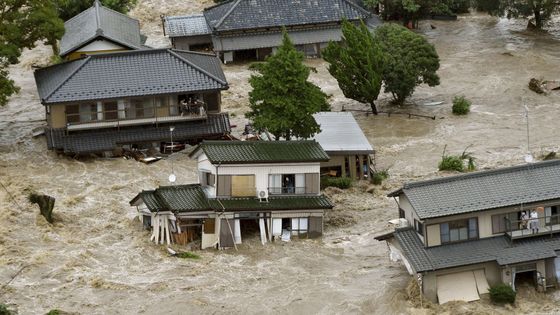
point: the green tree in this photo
(410, 61)
(282, 100)
(70, 8)
(22, 24)
(540, 10)
(357, 63)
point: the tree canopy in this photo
(282, 100)
(410, 61)
(540, 10)
(22, 24)
(70, 8)
(412, 10)
(357, 64)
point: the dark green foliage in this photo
(22, 24)
(45, 203)
(4, 310)
(410, 61)
(540, 10)
(70, 8)
(339, 182)
(502, 294)
(550, 156)
(356, 63)
(457, 162)
(282, 100)
(53, 312)
(188, 255)
(461, 105)
(379, 177)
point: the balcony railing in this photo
(541, 226)
(286, 190)
(146, 115)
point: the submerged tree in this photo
(356, 63)
(45, 203)
(22, 24)
(540, 10)
(410, 61)
(282, 100)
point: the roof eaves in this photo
(359, 8)
(225, 84)
(84, 60)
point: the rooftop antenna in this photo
(528, 156)
(172, 177)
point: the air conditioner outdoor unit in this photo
(262, 194)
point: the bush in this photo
(502, 294)
(54, 312)
(457, 162)
(461, 105)
(339, 182)
(188, 255)
(379, 177)
(4, 310)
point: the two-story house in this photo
(252, 29)
(101, 102)
(468, 232)
(267, 186)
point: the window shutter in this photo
(224, 186)
(311, 183)
(212, 180)
(202, 178)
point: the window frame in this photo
(468, 226)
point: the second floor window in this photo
(459, 230)
(419, 226)
(207, 179)
(279, 184)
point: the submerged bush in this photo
(379, 177)
(339, 182)
(457, 162)
(461, 105)
(502, 294)
(188, 255)
(54, 312)
(4, 310)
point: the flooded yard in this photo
(96, 259)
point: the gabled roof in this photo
(248, 14)
(99, 21)
(250, 152)
(528, 183)
(498, 249)
(191, 198)
(186, 25)
(340, 133)
(130, 74)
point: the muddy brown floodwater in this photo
(96, 259)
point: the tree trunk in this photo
(373, 108)
(538, 18)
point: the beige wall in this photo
(213, 102)
(429, 280)
(57, 117)
(433, 237)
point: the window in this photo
(279, 184)
(110, 110)
(500, 222)
(207, 179)
(401, 214)
(243, 186)
(460, 230)
(141, 108)
(419, 227)
(72, 114)
(299, 227)
(88, 112)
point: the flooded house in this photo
(461, 234)
(130, 100)
(267, 188)
(351, 154)
(100, 30)
(252, 29)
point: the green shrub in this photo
(502, 294)
(457, 162)
(339, 182)
(188, 255)
(54, 312)
(461, 106)
(379, 177)
(4, 310)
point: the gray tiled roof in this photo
(498, 249)
(189, 198)
(130, 74)
(248, 14)
(340, 133)
(244, 152)
(186, 25)
(94, 141)
(484, 190)
(99, 21)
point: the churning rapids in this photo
(97, 260)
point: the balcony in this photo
(125, 117)
(286, 190)
(517, 229)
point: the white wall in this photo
(98, 45)
(261, 171)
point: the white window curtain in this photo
(300, 184)
(275, 183)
